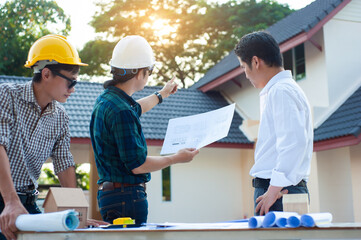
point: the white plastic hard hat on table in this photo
(132, 52)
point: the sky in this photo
(81, 12)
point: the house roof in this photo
(294, 24)
(184, 103)
(345, 121)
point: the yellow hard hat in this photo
(53, 48)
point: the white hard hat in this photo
(132, 52)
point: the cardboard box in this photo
(59, 199)
(296, 203)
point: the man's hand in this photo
(95, 223)
(265, 201)
(184, 155)
(169, 88)
(8, 218)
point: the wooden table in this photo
(339, 231)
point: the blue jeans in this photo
(124, 202)
(31, 208)
(278, 206)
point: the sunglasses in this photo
(150, 69)
(72, 82)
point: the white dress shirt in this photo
(285, 138)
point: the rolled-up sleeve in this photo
(61, 155)
(6, 117)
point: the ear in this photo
(256, 61)
(45, 74)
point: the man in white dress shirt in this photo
(285, 139)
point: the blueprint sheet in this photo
(197, 131)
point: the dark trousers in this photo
(124, 202)
(29, 205)
(261, 187)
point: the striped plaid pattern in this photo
(30, 137)
(117, 137)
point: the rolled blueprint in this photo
(281, 222)
(271, 218)
(255, 222)
(47, 222)
(316, 219)
(294, 221)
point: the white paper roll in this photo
(255, 222)
(316, 219)
(272, 217)
(294, 221)
(47, 222)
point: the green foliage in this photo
(187, 36)
(94, 53)
(49, 177)
(82, 178)
(22, 22)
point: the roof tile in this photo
(184, 103)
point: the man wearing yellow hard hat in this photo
(34, 127)
(119, 145)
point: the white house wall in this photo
(80, 152)
(342, 35)
(315, 84)
(335, 184)
(246, 97)
(206, 190)
(356, 180)
(313, 186)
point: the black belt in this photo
(264, 183)
(26, 197)
(110, 186)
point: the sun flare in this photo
(161, 27)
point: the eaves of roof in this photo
(289, 32)
(184, 103)
(343, 127)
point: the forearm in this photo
(153, 163)
(67, 178)
(149, 102)
(6, 183)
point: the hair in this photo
(57, 68)
(262, 45)
(122, 75)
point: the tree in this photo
(95, 53)
(22, 22)
(48, 177)
(232, 20)
(187, 36)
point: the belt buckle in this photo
(106, 186)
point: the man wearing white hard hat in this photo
(119, 145)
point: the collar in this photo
(121, 94)
(29, 96)
(276, 78)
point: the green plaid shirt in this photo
(117, 137)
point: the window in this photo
(166, 190)
(294, 60)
